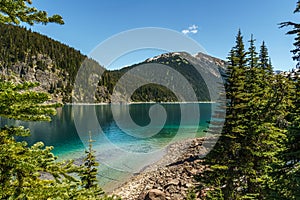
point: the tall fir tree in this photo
(89, 172)
(264, 60)
(288, 185)
(296, 32)
(252, 54)
(31, 172)
(222, 173)
(240, 165)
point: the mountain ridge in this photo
(30, 56)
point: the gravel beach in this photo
(169, 178)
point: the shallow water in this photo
(127, 137)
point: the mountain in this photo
(30, 56)
(193, 68)
(293, 74)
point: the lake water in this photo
(127, 137)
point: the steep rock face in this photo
(30, 56)
(51, 80)
(201, 71)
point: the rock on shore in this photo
(170, 178)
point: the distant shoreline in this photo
(131, 103)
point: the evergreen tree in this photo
(287, 183)
(240, 57)
(89, 174)
(223, 173)
(22, 167)
(31, 172)
(16, 11)
(19, 102)
(264, 60)
(240, 165)
(295, 31)
(252, 54)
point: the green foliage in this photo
(264, 61)
(22, 168)
(16, 11)
(89, 171)
(18, 102)
(20, 47)
(288, 175)
(157, 93)
(90, 188)
(153, 92)
(242, 163)
(252, 55)
(191, 195)
(296, 32)
(287, 183)
(32, 172)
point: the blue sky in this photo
(213, 24)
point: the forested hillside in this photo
(30, 56)
(191, 67)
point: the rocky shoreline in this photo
(170, 178)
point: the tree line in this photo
(258, 153)
(256, 157)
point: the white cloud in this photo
(185, 31)
(190, 30)
(194, 31)
(193, 27)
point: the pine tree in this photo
(89, 175)
(295, 31)
(222, 161)
(240, 57)
(22, 167)
(287, 175)
(17, 101)
(264, 60)
(20, 11)
(288, 183)
(240, 165)
(252, 54)
(31, 172)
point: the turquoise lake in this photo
(127, 137)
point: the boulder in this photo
(155, 194)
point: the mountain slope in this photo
(293, 74)
(199, 71)
(30, 56)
